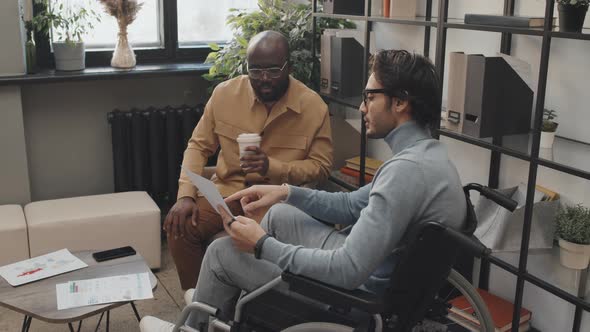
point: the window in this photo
(201, 21)
(164, 30)
(144, 32)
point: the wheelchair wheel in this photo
(319, 327)
(482, 318)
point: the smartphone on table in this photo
(101, 256)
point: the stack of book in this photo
(350, 173)
(508, 21)
(501, 310)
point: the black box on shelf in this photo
(346, 70)
(487, 96)
(344, 7)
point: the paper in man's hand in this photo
(208, 189)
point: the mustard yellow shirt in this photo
(296, 137)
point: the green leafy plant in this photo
(68, 23)
(293, 20)
(548, 124)
(572, 224)
(577, 3)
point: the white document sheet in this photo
(123, 288)
(41, 267)
(208, 189)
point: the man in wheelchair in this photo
(417, 185)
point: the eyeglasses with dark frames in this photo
(367, 91)
(402, 95)
(272, 72)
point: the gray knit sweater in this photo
(418, 184)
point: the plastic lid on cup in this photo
(249, 135)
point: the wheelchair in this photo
(422, 284)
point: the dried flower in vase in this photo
(125, 11)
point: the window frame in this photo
(170, 53)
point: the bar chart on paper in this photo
(122, 288)
(41, 267)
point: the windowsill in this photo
(105, 73)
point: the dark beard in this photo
(275, 94)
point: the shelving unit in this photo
(567, 156)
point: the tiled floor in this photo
(166, 304)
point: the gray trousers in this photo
(226, 271)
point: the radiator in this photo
(148, 146)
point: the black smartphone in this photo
(101, 256)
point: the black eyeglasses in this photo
(367, 91)
(272, 72)
(402, 95)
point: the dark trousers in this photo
(188, 251)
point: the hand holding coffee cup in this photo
(252, 159)
(246, 140)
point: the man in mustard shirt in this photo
(296, 146)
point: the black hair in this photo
(411, 77)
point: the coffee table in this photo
(38, 299)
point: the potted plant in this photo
(573, 232)
(548, 129)
(291, 19)
(67, 25)
(572, 14)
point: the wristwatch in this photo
(258, 246)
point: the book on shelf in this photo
(507, 21)
(402, 9)
(355, 173)
(351, 180)
(377, 8)
(470, 326)
(500, 309)
(371, 165)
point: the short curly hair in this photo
(411, 77)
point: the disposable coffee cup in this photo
(246, 140)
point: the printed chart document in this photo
(208, 189)
(123, 288)
(41, 267)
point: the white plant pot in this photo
(69, 56)
(547, 139)
(574, 256)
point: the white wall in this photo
(11, 36)
(69, 138)
(14, 180)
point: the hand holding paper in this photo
(209, 190)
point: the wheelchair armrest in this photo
(337, 297)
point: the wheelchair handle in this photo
(469, 243)
(506, 202)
